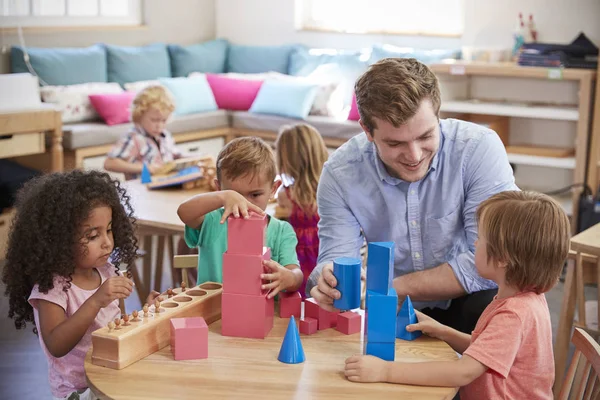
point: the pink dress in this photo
(307, 233)
(66, 374)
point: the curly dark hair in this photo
(46, 228)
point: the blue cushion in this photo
(286, 98)
(256, 59)
(379, 52)
(192, 95)
(202, 57)
(304, 61)
(132, 64)
(63, 66)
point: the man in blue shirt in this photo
(415, 180)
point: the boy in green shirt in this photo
(245, 181)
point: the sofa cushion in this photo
(192, 95)
(201, 57)
(140, 85)
(113, 108)
(63, 66)
(327, 126)
(96, 133)
(254, 59)
(287, 98)
(233, 94)
(131, 64)
(354, 115)
(381, 51)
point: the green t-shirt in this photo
(211, 240)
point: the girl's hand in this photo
(280, 278)
(117, 287)
(154, 295)
(361, 368)
(235, 204)
(427, 325)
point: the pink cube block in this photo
(349, 322)
(247, 236)
(189, 338)
(248, 316)
(290, 304)
(241, 272)
(327, 319)
(308, 325)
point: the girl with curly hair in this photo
(70, 233)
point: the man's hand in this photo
(324, 293)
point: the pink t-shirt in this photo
(513, 338)
(66, 374)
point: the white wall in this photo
(263, 22)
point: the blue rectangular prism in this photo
(347, 273)
(385, 351)
(380, 317)
(380, 266)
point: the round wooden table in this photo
(238, 368)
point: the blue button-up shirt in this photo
(431, 221)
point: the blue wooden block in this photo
(347, 273)
(380, 266)
(385, 351)
(146, 177)
(381, 317)
(406, 316)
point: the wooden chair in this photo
(186, 261)
(583, 377)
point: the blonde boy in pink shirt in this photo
(523, 243)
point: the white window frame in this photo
(27, 21)
(305, 21)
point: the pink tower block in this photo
(290, 304)
(246, 236)
(189, 338)
(327, 319)
(241, 273)
(308, 325)
(246, 316)
(349, 322)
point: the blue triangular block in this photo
(405, 317)
(291, 349)
(146, 177)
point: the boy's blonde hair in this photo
(246, 156)
(392, 90)
(301, 153)
(529, 232)
(154, 96)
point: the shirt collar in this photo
(143, 132)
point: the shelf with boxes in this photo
(542, 115)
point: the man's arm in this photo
(339, 231)
(439, 283)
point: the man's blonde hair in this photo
(301, 153)
(529, 232)
(246, 156)
(392, 90)
(154, 96)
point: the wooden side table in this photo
(22, 132)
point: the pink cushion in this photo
(113, 107)
(353, 116)
(233, 94)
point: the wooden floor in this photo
(23, 366)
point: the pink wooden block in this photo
(290, 304)
(241, 273)
(246, 236)
(349, 322)
(327, 319)
(308, 325)
(189, 338)
(247, 316)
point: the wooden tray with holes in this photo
(122, 346)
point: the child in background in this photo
(523, 243)
(301, 154)
(68, 231)
(148, 141)
(245, 183)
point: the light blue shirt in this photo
(431, 221)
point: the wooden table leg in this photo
(57, 145)
(160, 258)
(147, 265)
(171, 255)
(565, 323)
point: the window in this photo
(43, 13)
(404, 17)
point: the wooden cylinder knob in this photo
(183, 285)
(170, 292)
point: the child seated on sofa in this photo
(148, 141)
(245, 181)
